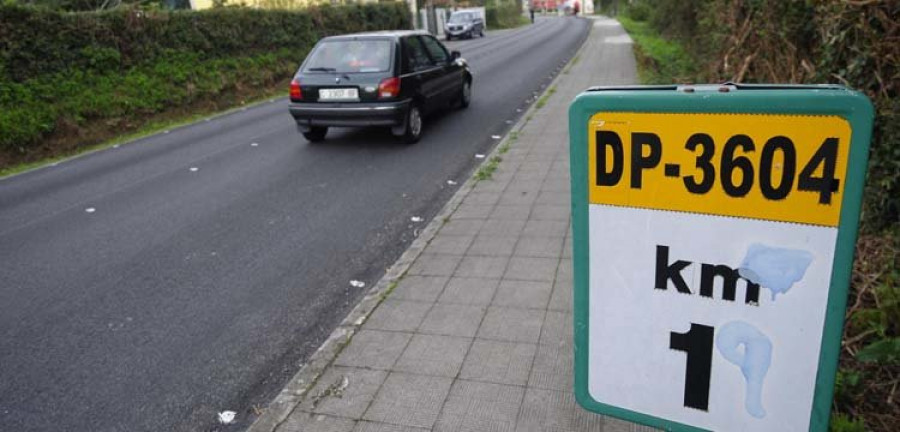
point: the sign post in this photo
(714, 230)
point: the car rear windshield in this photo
(461, 17)
(350, 56)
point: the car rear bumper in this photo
(349, 114)
(455, 33)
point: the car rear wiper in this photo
(321, 69)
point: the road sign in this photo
(713, 230)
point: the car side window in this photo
(437, 51)
(416, 56)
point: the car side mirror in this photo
(455, 55)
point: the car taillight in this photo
(389, 88)
(296, 94)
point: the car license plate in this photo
(338, 94)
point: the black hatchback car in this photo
(377, 79)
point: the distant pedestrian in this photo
(531, 10)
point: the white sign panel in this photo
(671, 291)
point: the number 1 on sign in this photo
(698, 344)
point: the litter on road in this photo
(479, 156)
(416, 219)
(90, 209)
(357, 284)
(227, 417)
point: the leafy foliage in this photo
(881, 351)
(843, 423)
(64, 73)
(869, 373)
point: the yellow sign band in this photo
(786, 168)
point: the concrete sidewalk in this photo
(477, 335)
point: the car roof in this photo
(391, 34)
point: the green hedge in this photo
(61, 73)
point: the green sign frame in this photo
(830, 100)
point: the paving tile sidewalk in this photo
(478, 335)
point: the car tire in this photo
(465, 94)
(316, 134)
(481, 33)
(414, 121)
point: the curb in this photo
(304, 380)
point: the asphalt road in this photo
(149, 286)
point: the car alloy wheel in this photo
(466, 97)
(413, 125)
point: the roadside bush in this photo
(70, 79)
(638, 12)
